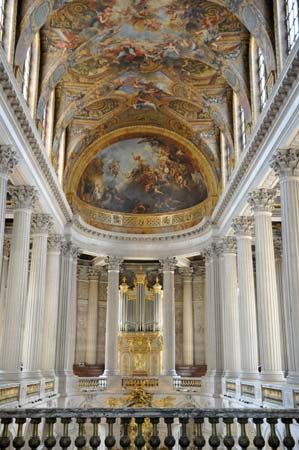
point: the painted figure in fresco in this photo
(143, 176)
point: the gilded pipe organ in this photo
(140, 340)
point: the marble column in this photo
(8, 160)
(112, 317)
(199, 313)
(168, 265)
(280, 294)
(286, 165)
(262, 201)
(66, 324)
(188, 350)
(23, 198)
(243, 227)
(34, 317)
(213, 322)
(92, 317)
(51, 305)
(3, 285)
(230, 314)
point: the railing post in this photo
(65, 440)
(288, 440)
(258, 441)
(273, 440)
(228, 440)
(95, 440)
(125, 440)
(243, 439)
(139, 440)
(154, 439)
(34, 442)
(199, 441)
(19, 440)
(4, 439)
(110, 439)
(169, 441)
(80, 440)
(50, 440)
(184, 441)
(214, 440)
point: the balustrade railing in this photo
(92, 383)
(187, 382)
(149, 428)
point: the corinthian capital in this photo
(169, 263)
(54, 243)
(262, 199)
(229, 244)
(8, 159)
(6, 247)
(286, 162)
(187, 273)
(114, 262)
(93, 273)
(70, 250)
(41, 223)
(23, 196)
(243, 225)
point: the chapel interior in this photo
(149, 224)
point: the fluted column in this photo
(34, 317)
(168, 265)
(280, 294)
(247, 305)
(112, 317)
(8, 160)
(23, 198)
(262, 201)
(3, 284)
(286, 165)
(66, 324)
(188, 350)
(213, 322)
(230, 314)
(51, 305)
(92, 316)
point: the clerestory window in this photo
(262, 79)
(292, 22)
(2, 18)
(26, 74)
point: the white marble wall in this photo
(199, 315)
(178, 286)
(82, 305)
(102, 317)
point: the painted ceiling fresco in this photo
(143, 175)
(172, 64)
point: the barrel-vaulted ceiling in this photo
(168, 64)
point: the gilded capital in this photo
(229, 244)
(262, 199)
(169, 264)
(243, 225)
(54, 243)
(41, 223)
(285, 162)
(23, 196)
(8, 159)
(114, 262)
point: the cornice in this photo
(21, 113)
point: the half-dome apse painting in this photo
(143, 175)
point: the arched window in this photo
(2, 19)
(243, 129)
(262, 79)
(26, 74)
(292, 22)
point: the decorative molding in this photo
(6, 247)
(41, 223)
(243, 226)
(262, 199)
(93, 273)
(168, 264)
(23, 196)
(8, 159)
(54, 243)
(187, 273)
(285, 162)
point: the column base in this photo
(31, 375)
(293, 378)
(67, 383)
(212, 384)
(250, 375)
(12, 376)
(110, 373)
(272, 377)
(170, 373)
